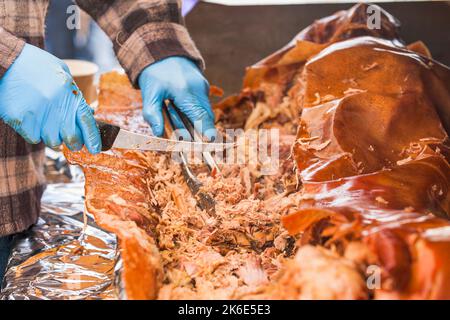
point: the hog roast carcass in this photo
(367, 120)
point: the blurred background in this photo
(233, 34)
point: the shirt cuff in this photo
(10, 48)
(153, 42)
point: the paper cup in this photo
(83, 73)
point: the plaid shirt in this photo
(142, 31)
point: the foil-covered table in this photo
(61, 257)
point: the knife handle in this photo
(108, 134)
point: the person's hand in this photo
(177, 79)
(41, 102)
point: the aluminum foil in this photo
(64, 199)
(61, 257)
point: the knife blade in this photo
(114, 137)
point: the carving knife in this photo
(114, 137)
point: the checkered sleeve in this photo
(10, 48)
(143, 31)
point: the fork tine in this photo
(207, 156)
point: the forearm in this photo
(143, 31)
(10, 48)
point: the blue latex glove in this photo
(41, 102)
(177, 79)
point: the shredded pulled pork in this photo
(316, 273)
(221, 255)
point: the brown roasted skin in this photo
(371, 118)
(123, 211)
(372, 152)
(117, 195)
(372, 148)
(272, 88)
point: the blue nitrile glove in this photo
(177, 79)
(40, 101)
